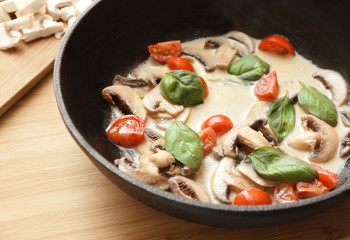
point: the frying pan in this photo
(112, 37)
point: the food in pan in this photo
(231, 119)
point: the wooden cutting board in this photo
(22, 67)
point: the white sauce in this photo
(235, 101)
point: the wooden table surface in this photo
(50, 190)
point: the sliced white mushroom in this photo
(159, 107)
(188, 188)
(55, 7)
(259, 109)
(26, 7)
(21, 22)
(4, 16)
(345, 145)
(224, 56)
(335, 82)
(67, 13)
(43, 26)
(345, 115)
(323, 141)
(247, 170)
(242, 38)
(8, 38)
(183, 116)
(206, 57)
(125, 99)
(81, 5)
(162, 159)
(139, 85)
(227, 181)
(146, 172)
(9, 6)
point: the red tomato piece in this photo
(267, 86)
(306, 190)
(165, 50)
(276, 44)
(328, 178)
(218, 123)
(285, 193)
(126, 131)
(177, 63)
(208, 137)
(252, 197)
(205, 91)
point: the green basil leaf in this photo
(249, 67)
(182, 87)
(185, 144)
(241, 82)
(281, 115)
(274, 165)
(318, 104)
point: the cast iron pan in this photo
(112, 37)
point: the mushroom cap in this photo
(242, 38)
(335, 82)
(188, 188)
(203, 55)
(8, 38)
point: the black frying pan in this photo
(112, 37)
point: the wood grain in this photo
(22, 67)
(50, 190)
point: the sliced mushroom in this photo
(151, 76)
(159, 107)
(345, 145)
(220, 41)
(345, 115)
(224, 56)
(81, 5)
(242, 133)
(28, 7)
(324, 143)
(260, 125)
(188, 188)
(43, 26)
(259, 109)
(305, 141)
(4, 16)
(8, 38)
(247, 170)
(227, 181)
(54, 8)
(242, 38)
(9, 6)
(158, 145)
(68, 13)
(335, 82)
(125, 98)
(146, 172)
(177, 169)
(183, 116)
(140, 86)
(152, 135)
(204, 56)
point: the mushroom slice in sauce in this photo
(260, 125)
(323, 142)
(345, 115)
(204, 56)
(333, 81)
(188, 188)
(139, 85)
(125, 98)
(224, 56)
(177, 168)
(242, 38)
(159, 107)
(227, 181)
(244, 135)
(247, 170)
(164, 124)
(146, 172)
(345, 145)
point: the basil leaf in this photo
(185, 144)
(281, 115)
(273, 164)
(241, 82)
(182, 87)
(318, 104)
(249, 67)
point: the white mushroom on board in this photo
(335, 82)
(26, 7)
(188, 188)
(55, 8)
(323, 140)
(4, 16)
(8, 38)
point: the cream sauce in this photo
(235, 101)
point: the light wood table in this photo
(50, 190)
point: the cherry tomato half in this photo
(126, 131)
(285, 193)
(205, 91)
(276, 44)
(208, 137)
(177, 63)
(165, 50)
(328, 178)
(306, 190)
(252, 197)
(267, 86)
(218, 123)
